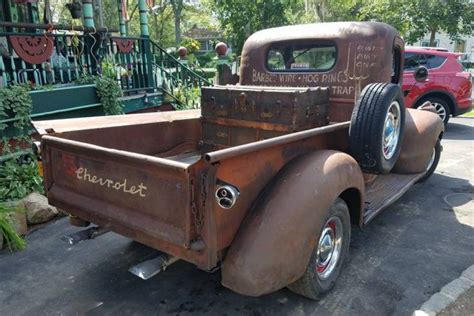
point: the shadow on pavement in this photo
(457, 131)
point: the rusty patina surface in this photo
(365, 54)
(279, 224)
(154, 177)
(418, 143)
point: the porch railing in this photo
(175, 78)
(138, 64)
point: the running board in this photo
(149, 268)
(89, 233)
(385, 190)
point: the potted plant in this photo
(75, 9)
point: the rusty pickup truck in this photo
(267, 180)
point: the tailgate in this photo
(143, 197)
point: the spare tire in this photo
(377, 125)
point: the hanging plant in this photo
(75, 9)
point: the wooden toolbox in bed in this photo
(235, 115)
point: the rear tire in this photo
(333, 244)
(441, 107)
(377, 125)
(433, 162)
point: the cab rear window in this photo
(301, 57)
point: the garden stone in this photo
(37, 209)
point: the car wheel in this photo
(377, 125)
(433, 163)
(441, 107)
(328, 255)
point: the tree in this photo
(416, 18)
(455, 17)
(333, 10)
(177, 6)
(241, 18)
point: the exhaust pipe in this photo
(226, 196)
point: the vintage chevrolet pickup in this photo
(267, 179)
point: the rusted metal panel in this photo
(151, 193)
(237, 116)
(285, 139)
(251, 168)
(364, 55)
(296, 108)
(422, 131)
(383, 190)
(273, 246)
(93, 123)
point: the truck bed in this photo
(149, 177)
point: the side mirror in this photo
(421, 74)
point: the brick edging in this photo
(448, 294)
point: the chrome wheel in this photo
(391, 131)
(432, 159)
(329, 247)
(440, 109)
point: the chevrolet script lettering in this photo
(82, 174)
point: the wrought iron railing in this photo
(61, 58)
(175, 78)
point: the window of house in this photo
(426, 43)
(301, 57)
(460, 46)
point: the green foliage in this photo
(109, 68)
(191, 45)
(188, 97)
(109, 92)
(416, 19)
(16, 102)
(11, 238)
(86, 79)
(241, 18)
(18, 179)
(455, 17)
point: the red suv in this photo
(448, 85)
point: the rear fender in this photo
(422, 130)
(273, 245)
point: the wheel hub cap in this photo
(432, 159)
(391, 132)
(440, 110)
(329, 247)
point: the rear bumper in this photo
(463, 106)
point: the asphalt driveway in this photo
(406, 254)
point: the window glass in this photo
(433, 61)
(397, 55)
(275, 60)
(301, 57)
(411, 61)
